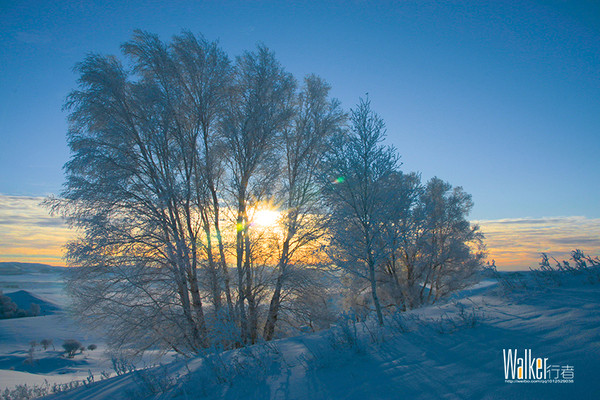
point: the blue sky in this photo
(502, 98)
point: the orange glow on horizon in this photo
(29, 234)
(516, 244)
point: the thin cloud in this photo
(29, 234)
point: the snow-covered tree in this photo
(305, 141)
(71, 346)
(164, 146)
(8, 309)
(412, 243)
(172, 152)
(258, 112)
(139, 187)
(358, 165)
(432, 249)
(451, 249)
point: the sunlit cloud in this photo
(517, 243)
(28, 233)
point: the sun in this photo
(266, 217)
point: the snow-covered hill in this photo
(453, 351)
(23, 299)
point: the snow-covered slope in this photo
(453, 351)
(23, 299)
(20, 362)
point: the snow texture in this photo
(450, 351)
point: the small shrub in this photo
(444, 324)
(90, 378)
(25, 392)
(403, 323)
(509, 281)
(92, 347)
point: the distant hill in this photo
(18, 268)
(24, 299)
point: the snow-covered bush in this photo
(27, 392)
(153, 382)
(508, 281)
(24, 392)
(239, 371)
(469, 317)
(406, 243)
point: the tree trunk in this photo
(269, 329)
(212, 268)
(371, 268)
(197, 302)
(374, 294)
(240, 272)
(223, 260)
(252, 306)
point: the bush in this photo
(92, 347)
(25, 392)
(71, 346)
(154, 381)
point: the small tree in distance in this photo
(46, 343)
(71, 347)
